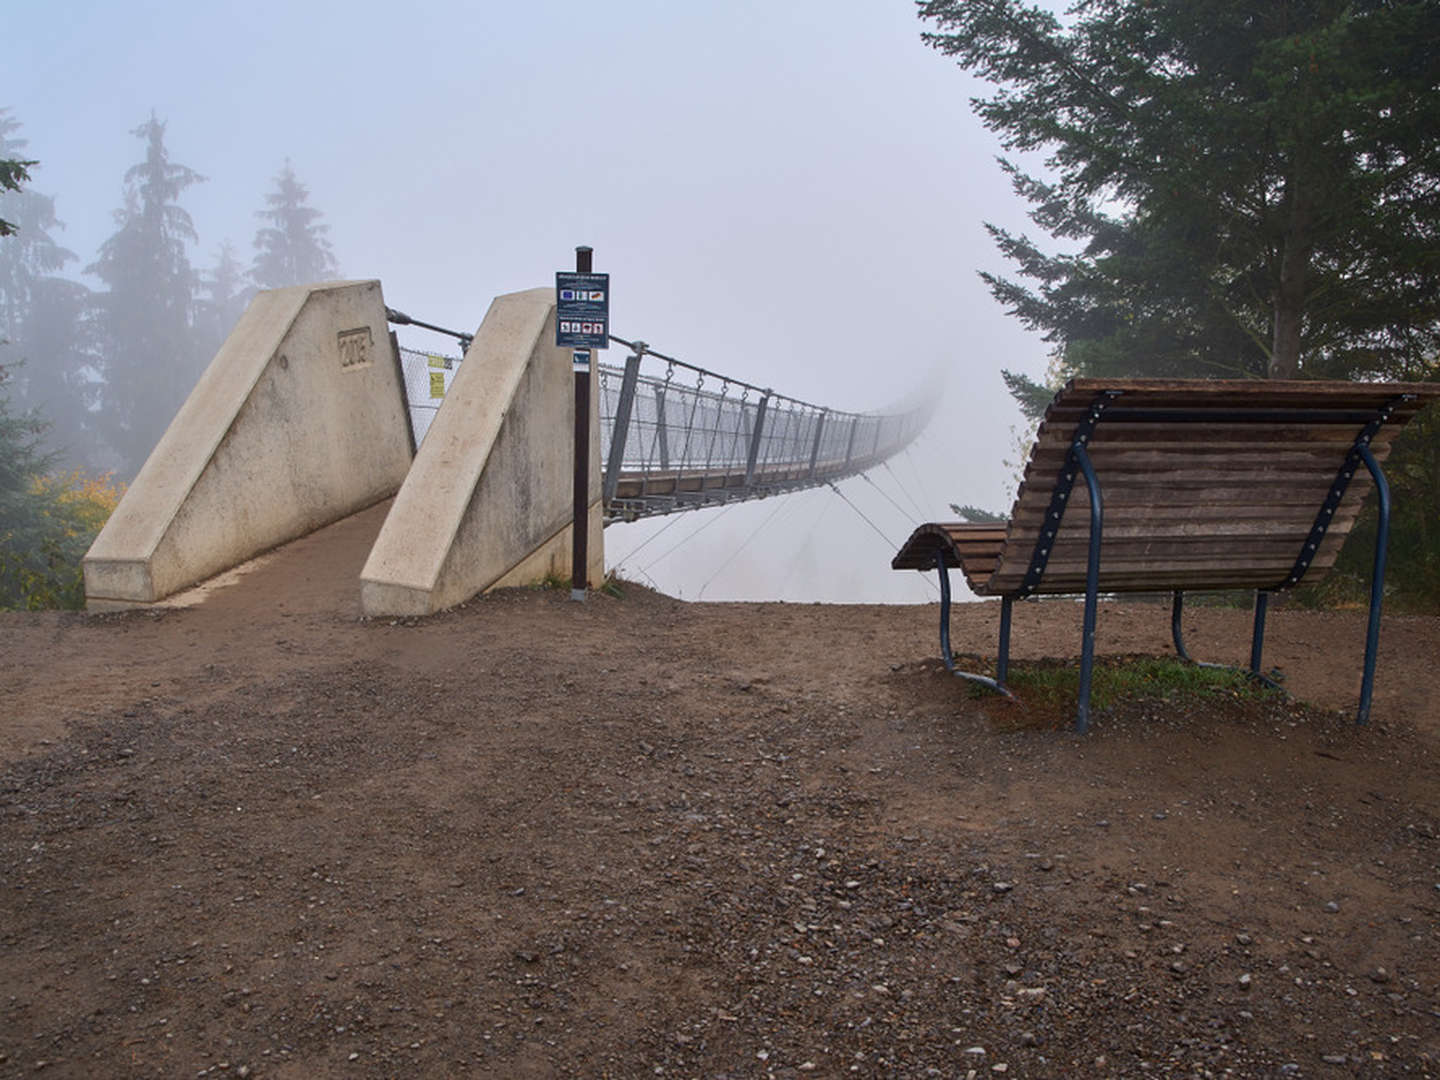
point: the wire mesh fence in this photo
(683, 437)
(679, 437)
(427, 377)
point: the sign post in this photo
(582, 323)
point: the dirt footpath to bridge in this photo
(260, 837)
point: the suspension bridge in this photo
(679, 437)
(312, 411)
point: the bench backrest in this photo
(1204, 485)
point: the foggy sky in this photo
(792, 193)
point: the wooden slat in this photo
(1226, 502)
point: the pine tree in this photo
(224, 295)
(1254, 188)
(151, 356)
(43, 326)
(291, 249)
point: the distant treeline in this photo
(105, 364)
(91, 374)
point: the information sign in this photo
(582, 310)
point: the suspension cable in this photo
(779, 506)
(888, 542)
(686, 540)
(919, 513)
(919, 477)
(652, 537)
(883, 492)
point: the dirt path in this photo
(259, 836)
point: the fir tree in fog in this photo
(151, 355)
(44, 329)
(224, 294)
(291, 248)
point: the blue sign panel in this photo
(582, 311)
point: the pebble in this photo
(1332, 907)
(1380, 975)
(1245, 981)
(1334, 1059)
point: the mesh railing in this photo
(680, 437)
(427, 377)
(683, 437)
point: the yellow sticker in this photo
(436, 361)
(437, 384)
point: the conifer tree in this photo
(1253, 188)
(224, 295)
(291, 248)
(43, 326)
(150, 354)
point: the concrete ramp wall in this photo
(298, 421)
(488, 500)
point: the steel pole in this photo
(580, 511)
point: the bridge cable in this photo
(779, 506)
(652, 537)
(919, 476)
(686, 540)
(919, 513)
(888, 542)
(886, 494)
(814, 524)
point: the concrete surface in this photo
(488, 500)
(297, 422)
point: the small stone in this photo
(1103, 823)
(852, 884)
(1334, 1059)
(1332, 907)
(1380, 975)
(1245, 981)
(1243, 939)
(1003, 886)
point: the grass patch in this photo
(1131, 678)
(1046, 691)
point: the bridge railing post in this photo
(815, 446)
(850, 443)
(756, 435)
(621, 428)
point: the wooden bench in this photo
(1225, 484)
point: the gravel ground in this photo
(259, 836)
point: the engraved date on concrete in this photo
(355, 347)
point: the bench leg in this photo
(1257, 637)
(1002, 662)
(1092, 587)
(1177, 633)
(1377, 584)
(998, 685)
